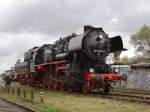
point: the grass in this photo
(56, 101)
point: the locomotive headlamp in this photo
(99, 38)
(91, 70)
(116, 70)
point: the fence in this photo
(23, 93)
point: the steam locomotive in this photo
(72, 63)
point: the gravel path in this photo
(7, 107)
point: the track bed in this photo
(9, 107)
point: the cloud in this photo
(55, 16)
(28, 23)
(13, 46)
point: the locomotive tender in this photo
(75, 62)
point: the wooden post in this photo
(5, 90)
(24, 93)
(18, 91)
(12, 90)
(120, 83)
(42, 96)
(126, 83)
(32, 95)
(1, 89)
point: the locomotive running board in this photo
(50, 63)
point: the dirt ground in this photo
(7, 107)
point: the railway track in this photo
(134, 92)
(11, 106)
(127, 96)
(131, 96)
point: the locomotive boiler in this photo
(75, 62)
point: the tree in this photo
(133, 60)
(124, 60)
(141, 41)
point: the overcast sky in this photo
(28, 23)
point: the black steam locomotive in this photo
(75, 62)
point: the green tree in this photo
(134, 59)
(124, 60)
(141, 41)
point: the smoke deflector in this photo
(116, 44)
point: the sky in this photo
(28, 23)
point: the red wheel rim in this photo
(62, 86)
(55, 85)
(86, 88)
(50, 86)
